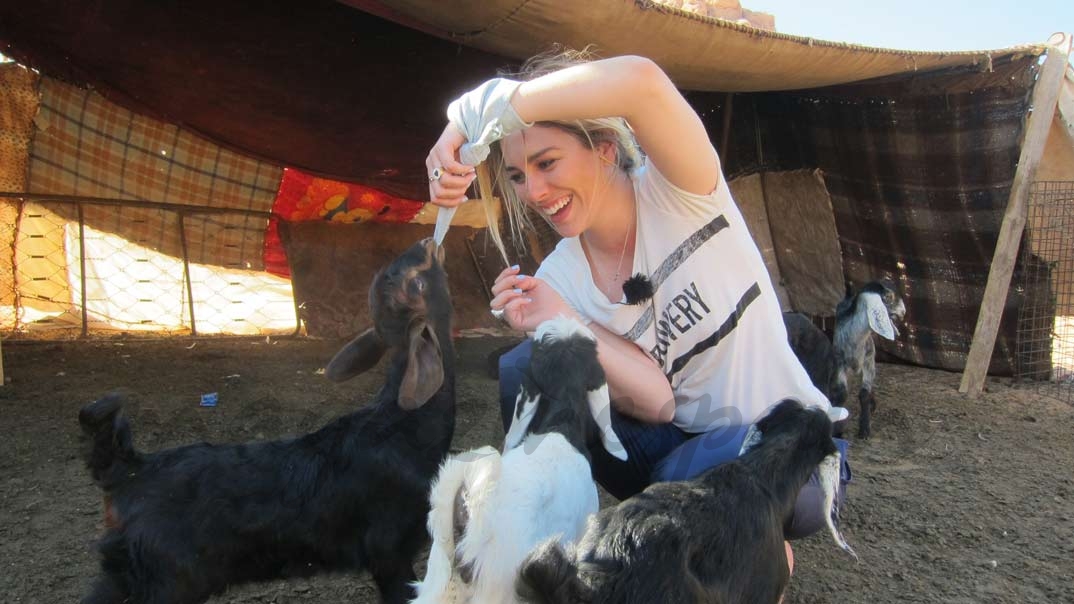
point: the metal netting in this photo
(1045, 333)
(72, 278)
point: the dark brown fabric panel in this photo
(919, 185)
(919, 170)
(312, 84)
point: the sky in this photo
(922, 24)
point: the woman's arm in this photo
(635, 88)
(631, 87)
(637, 385)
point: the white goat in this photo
(489, 510)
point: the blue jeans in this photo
(664, 452)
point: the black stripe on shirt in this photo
(724, 330)
(672, 262)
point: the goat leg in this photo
(868, 405)
(395, 583)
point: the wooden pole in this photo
(1043, 102)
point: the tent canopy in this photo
(357, 90)
(700, 53)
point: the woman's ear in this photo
(608, 153)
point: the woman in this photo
(700, 351)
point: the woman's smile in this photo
(555, 211)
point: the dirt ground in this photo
(953, 500)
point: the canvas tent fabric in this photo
(314, 85)
(914, 152)
(87, 146)
(18, 105)
(916, 172)
(699, 52)
(339, 91)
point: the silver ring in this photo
(497, 313)
(437, 173)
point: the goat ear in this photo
(600, 407)
(877, 312)
(424, 368)
(358, 356)
(525, 410)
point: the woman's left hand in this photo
(448, 177)
(527, 301)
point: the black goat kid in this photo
(185, 523)
(716, 538)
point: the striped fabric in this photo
(85, 145)
(918, 170)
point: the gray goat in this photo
(876, 308)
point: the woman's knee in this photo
(700, 453)
(810, 513)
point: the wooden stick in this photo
(1043, 102)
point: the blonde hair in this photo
(590, 132)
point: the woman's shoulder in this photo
(655, 190)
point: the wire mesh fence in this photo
(1045, 332)
(85, 267)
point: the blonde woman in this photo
(614, 158)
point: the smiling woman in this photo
(610, 154)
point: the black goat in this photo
(814, 351)
(185, 523)
(716, 538)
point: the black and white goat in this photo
(490, 510)
(716, 538)
(876, 308)
(185, 523)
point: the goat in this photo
(875, 308)
(489, 511)
(814, 351)
(716, 538)
(185, 523)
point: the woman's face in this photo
(558, 176)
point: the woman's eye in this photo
(545, 164)
(517, 178)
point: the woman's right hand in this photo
(527, 301)
(449, 190)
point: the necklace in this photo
(622, 255)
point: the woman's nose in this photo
(536, 187)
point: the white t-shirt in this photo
(714, 323)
